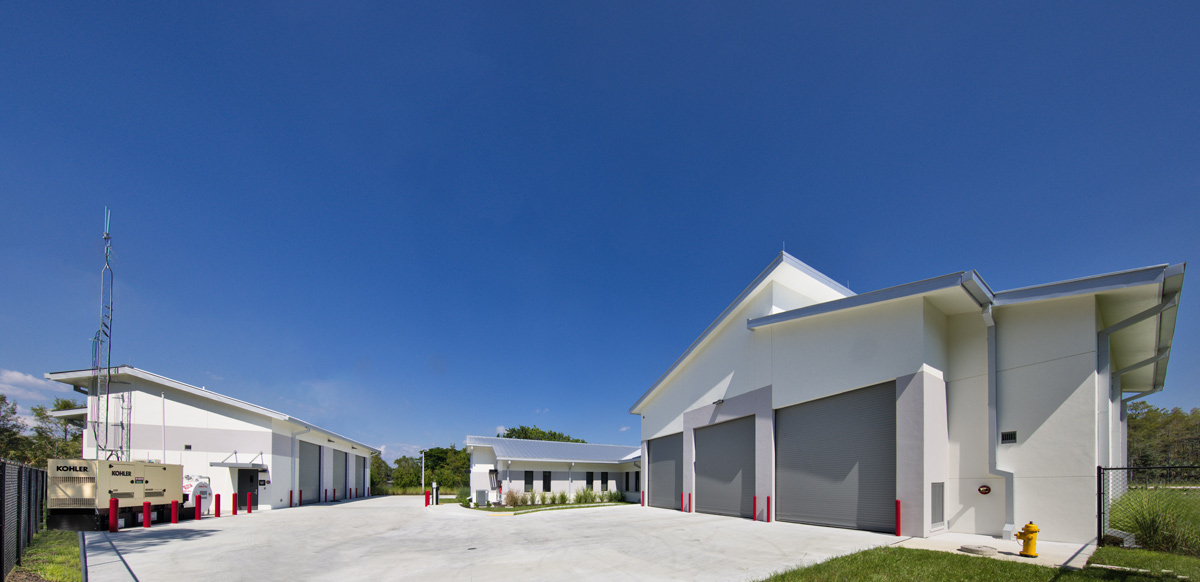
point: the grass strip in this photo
(53, 555)
(1147, 560)
(888, 564)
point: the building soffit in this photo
(749, 291)
(83, 378)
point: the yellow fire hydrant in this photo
(1028, 537)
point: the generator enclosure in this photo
(80, 489)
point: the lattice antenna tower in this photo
(100, 393)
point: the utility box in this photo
(80, 489)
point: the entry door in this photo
(835, 460)
(247, 482)
(725, 468)
(666, 471)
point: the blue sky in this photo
(409, 222)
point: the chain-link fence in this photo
(1156, 508)
(22, 499)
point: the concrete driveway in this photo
(396, 538)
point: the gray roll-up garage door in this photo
(310, 472)
(725, 468)
(835, 460)
(339, 475)
(666, 471)
(360, 473)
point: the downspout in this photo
(994, 424)
(295, 458)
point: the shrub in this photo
(614, 496)
(1162, 520)
(585, 496)
(561, 498)
(542, 498)
(510, 498)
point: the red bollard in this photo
(289, 498)
(145, 514)
(248, 501)
(690, 510)
(335, 494)
(174, 511)
(897, 517)
(300, 500)
(234, 504)
(112, 515)
(643, 498)
(755, 508)
(681, 501)
(217, 505)
(196, 508)
(768, 509)
(326, 496)
(426, 499)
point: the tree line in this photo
(1160, 437)
(449, 467)
(48, 438)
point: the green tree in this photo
(380, 471)
(1160, 437)
(13, 443)
(54, 438)
(537, 434)
(407, 472)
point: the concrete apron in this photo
(398, 538)
(1053, 554)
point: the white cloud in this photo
(24, 387)
(500, 429)
(623, 429)
(541, 410)
(393, 451)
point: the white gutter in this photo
(994, 425)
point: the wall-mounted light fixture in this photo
(720, 401)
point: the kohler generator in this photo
(80, 489)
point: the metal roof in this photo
(531, 450)
(83, 378)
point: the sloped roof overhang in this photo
(83, 379)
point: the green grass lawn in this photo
(889, 564)
(53, 555)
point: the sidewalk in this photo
(1053, 554)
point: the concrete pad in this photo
(1054, 554)
(104, 562)
(397, 538)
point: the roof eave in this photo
(783, 257)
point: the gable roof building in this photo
(241, 447)
(896, 410)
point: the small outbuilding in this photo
(934, 406)
(500, 464)
(241, 447)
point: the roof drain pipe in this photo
(296, 458)
(994, 424)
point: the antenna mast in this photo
(100, 393)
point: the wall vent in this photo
(1008, 438)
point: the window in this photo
(604, 481)
(637, 480)
(546, 481)
(627, 481)
(590, 478)
(528, 481)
